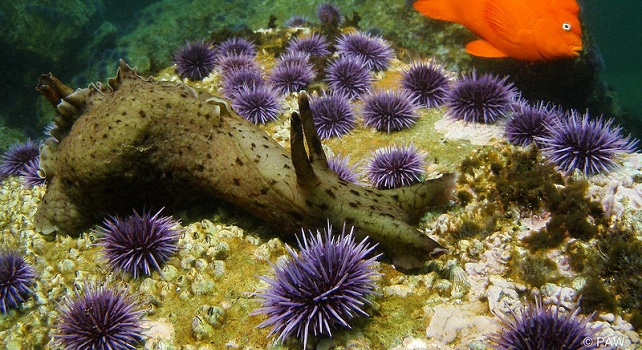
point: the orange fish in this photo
(527, 30)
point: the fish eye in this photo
(566, 27)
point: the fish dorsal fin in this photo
(437, 9)
(483, 48)
(504, 22)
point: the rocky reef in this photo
(518, 228)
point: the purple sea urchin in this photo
(348, 76)
(323, 286)
(540, 328)
(314, 44)
(592, 146)
(389, 110)
(393, 167)
(344, 170)
(258, 104)
(332, 115)
(195, 61)
(291, 76)
(374, 51)
(100, 319)
(329, 14)
(481, 99)
(139, 243)
(428, 82)
(235, 46)
(236, 79)
(529, 123)
(15, 159)
(16, 278)
(230, 63)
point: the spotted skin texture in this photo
(139, 142)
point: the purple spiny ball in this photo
(100, 319)
(393, 167)
(139, 243)
(314, 44)
(332, 115)
(236, 79)
(389, 110)
(232, 62)
(195, 61)
(291, 76)
(374, 51)
(348, 76)
(16, 279)
(540, 328)
(329, 14)
(530, 123)
(322, 287)
(481, 99)
(15, 159)
(428, 82)
(341, 166)
(31, 175)
(258, 104)
(235, 46)
(591, 146)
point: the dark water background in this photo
(617, 29)
(614, 26)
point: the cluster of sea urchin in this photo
(323, 286)
(16, 278)
(540, 328)
(100, 318)
(372, 50)
(139, 243)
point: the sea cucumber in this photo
(136, 142)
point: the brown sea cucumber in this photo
(138, 142)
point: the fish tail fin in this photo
(416, 199)
(438, 9)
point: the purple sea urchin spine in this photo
(529, 124)
(16, 279)
(258, 104)
(139, 243)
(389, 110)
(322, 287)
(195, 61)
(482, 99)
(332, 115)
(15, 159)
(393, 167)
(428, 82)
(375, 52)
(348, 76)
(100, 318)
(539, 327)
(591, 146)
